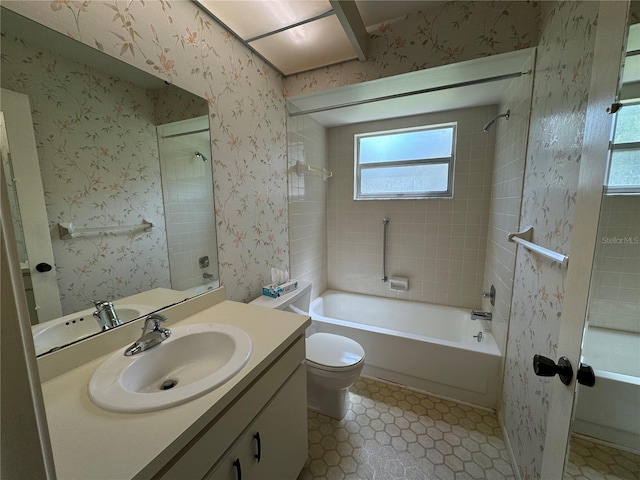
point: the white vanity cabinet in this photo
(275, 444)
(274, 408)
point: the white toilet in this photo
(334, 362)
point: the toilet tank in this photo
(297, 301)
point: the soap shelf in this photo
(524, 238)
(305, 169)
(68, 230)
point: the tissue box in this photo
(274, 290)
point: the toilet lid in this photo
(333, 351)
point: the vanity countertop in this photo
(91, 443)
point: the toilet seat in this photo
(335, 353)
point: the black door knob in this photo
(545, 367)
(586, 376)
(43, 267)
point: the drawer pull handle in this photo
(238, 468)
(259, 454)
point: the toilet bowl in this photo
(334, 362)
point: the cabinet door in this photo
(275, 444)
(282, 427)
(239, 463)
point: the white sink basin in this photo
(194, 360)
(70, 328)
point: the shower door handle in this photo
(586, 376)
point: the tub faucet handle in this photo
(491, 295)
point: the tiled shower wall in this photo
(615, 287)
(438, 244)
(506, 194)
(307, 143)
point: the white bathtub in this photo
(609, 410)
(424, 346)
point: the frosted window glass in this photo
(625, 168)
(624, 165)
(408, 180)
(628, 124)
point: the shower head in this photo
(201, 156)
(490, 123)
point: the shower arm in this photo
(490, 123)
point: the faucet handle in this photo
(153, 321)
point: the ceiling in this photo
(294, 36)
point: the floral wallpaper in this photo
(99, 164)
(561, 90)
(434, 35)
(176, 41)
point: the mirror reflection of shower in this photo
(187, 188)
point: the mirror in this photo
(605, 438)
(123, 163)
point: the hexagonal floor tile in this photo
(590, 460)
(393, 432)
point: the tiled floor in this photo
(593, 461)
(392, 432)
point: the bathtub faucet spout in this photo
(480, 315)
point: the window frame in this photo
(450, 161)
(621, 146)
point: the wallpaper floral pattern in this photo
(436, 35)
(99, 164)
(179, 43)
(560, 95)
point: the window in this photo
(408, 163)
(624, 162)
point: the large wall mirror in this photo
(110, 178)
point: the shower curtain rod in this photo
(468, 83)
(185, 133)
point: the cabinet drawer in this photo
(202, 453)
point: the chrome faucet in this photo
(105, 314)
(152, 334)
(207, 276)
(481, 315)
